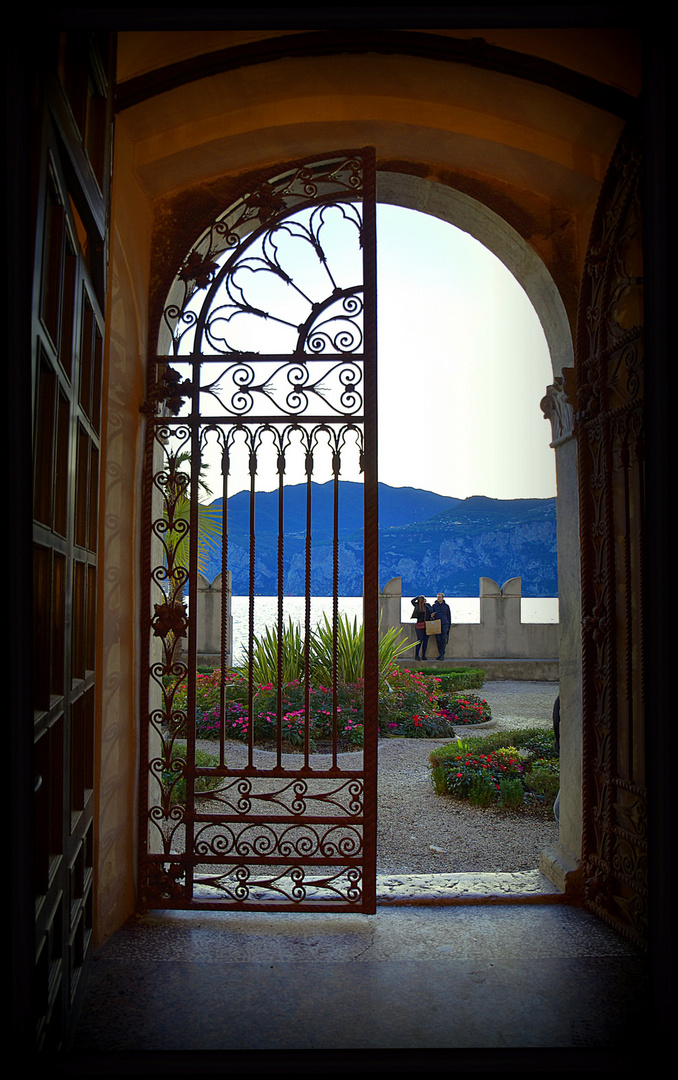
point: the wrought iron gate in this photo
(267, 352)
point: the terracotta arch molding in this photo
(472, 51)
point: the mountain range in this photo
(434, 542)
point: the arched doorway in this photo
(533, 182)
(156, 161)
(197, 324)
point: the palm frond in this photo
(177, 513)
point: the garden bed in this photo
(511, 769)
(419, 832)
(411, 705)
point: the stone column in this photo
(389, 605)
(209, 620)
(500, 615)
(560, 863)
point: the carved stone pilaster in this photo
(556, 407)
(610, 441)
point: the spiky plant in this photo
(265, 656)
(350, 653)
(350, 650)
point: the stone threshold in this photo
(523, 887)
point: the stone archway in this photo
(449, 204)
(405, 188)
(531, 151)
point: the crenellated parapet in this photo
(500, 635)
(213, 616)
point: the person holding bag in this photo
(422, 613)
(441, 610)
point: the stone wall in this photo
(507, 647)
(499, 636)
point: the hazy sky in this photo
(462, 356)
(460, 349)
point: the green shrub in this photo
(503, 764)
(426, 725)
(482, 791)
(474, 775)
(207, 701)
(408, 700)
(437, 761)
(321, 713)
(543, 778)
(511, 792)
(541, 743)
(403, 695)
(508, 755)
(458, 678)
(174, 779)
(528, 739)
(464, 709)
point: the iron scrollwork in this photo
(288, 387)
(292, 886)
(266, 346)
(216, 283)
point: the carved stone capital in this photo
(556, 407)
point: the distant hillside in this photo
(432, 541)
(397, 506)
(480, 537)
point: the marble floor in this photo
(492, 969)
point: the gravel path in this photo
(419, 832)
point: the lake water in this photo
(464, 610)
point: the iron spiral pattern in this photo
(291, 886)
(244, 271)
(274, 843)
(246, 795)
(286, 388)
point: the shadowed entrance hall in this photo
(551, 142)
(476, 962)
(424, 977)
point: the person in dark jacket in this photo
(421, 611)
(441, 610)
(556, 723)
(556, 732)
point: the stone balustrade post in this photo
(213, 610)
(500, 612)
(389, 605)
